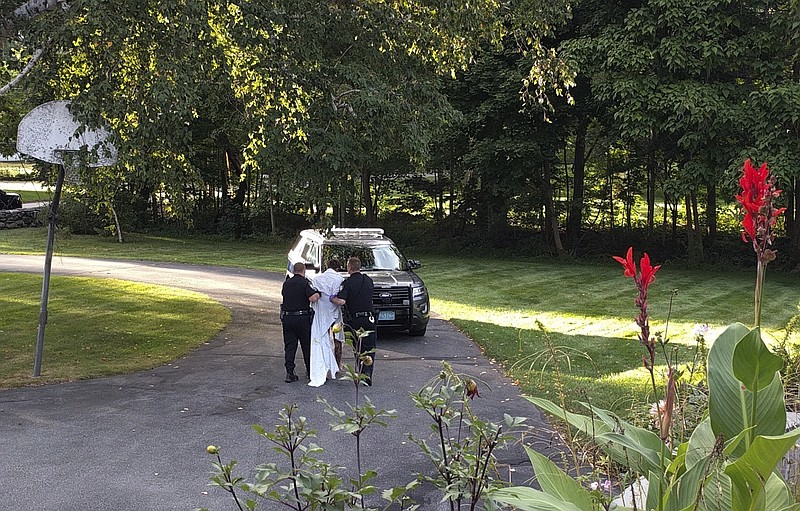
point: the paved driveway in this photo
(137, 441)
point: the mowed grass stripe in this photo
(99, 327)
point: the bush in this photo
(78, 218)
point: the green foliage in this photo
(730, 405)
(464, 459)
(728, 463)
(306, 482)
(76, 217)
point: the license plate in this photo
(386, 316)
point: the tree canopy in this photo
(499, 115)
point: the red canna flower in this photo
(755, 186)
(627, 263)
(642, 278)
(760, 214)
(648, 272)
(645, 276)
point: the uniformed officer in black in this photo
(296, 316)
(356, 293)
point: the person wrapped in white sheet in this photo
(323, 360)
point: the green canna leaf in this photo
(753, 363)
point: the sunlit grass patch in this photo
(588, 313)
(99, 327)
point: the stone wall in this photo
(16, 218)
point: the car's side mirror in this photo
(413, 264)
(310, 266)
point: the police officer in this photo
(356, 293)
(296, 316)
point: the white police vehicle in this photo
(400, 299)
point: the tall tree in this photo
(357, 77)
(685, 75)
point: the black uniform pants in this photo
(368, 343)
(296, 329)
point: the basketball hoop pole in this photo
(48, 133)
(48, 260)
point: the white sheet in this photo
(323, 361)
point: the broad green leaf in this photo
(778, 495)
(651, 457)
(753, 363)
(585, 424)
(683, 489)
(591, 428)
(655, 490)
(701, 443)
(557, 483)
(528, 499)
(750, 472)
(641, 436)
(729, 403)
(678, 463)
(716, 493)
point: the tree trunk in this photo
(25, 12)
(711, 212)
(664, 222)
(628, 208)
(116, 221)
(698, 226)
(271, 205)
(610, 184)
(575, 218)
(674, 210)
(551, 221)
(366, 196)
(652, 165)
(790, 209)
(792, 221)
(693, 238)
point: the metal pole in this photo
(48, 259)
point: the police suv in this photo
(400, 299)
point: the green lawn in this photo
(98, 327)
(587, 309)
(29, 196)
(209, 251)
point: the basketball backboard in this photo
(49, 132)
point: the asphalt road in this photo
(137, 441)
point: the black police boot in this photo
(291, 377)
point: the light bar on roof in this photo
(357, 232)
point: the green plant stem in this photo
(291, 448)
(760, 271)
(230, 486)
(660, 426)
(482, 477)
(748, 439)
(446, 467)
(358, 461)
